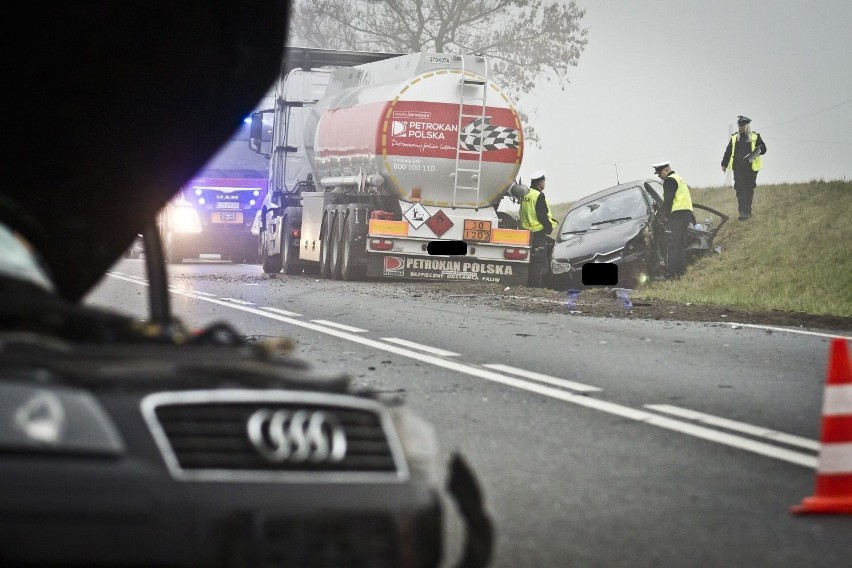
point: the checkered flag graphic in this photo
(491, 137)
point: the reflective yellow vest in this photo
(757, 163)
(529, 220)
(682, 199)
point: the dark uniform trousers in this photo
(676, 246)
(541, 244)
(745, 180)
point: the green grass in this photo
(794, 254)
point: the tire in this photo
(289, 252)
(271, 263)
(173, 253)
(337, 237)
(326, 246)
(349, 269)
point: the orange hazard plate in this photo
(476, 230)
(227, 217)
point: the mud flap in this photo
(359, 216)
(479, 537)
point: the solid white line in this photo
(421, 347)
(208, 294)
(580, 400)
(743, 427)
(580, 387)
(240, 302)
(282, 312)
(835, 458)
(134, 280)
(837, 401)
(803, 332)
(341, 326)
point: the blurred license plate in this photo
(475, 230)
(228, 205)
(228, 217)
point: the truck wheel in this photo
(326, 246)
(289, 249)
(349, 270)
(173, 254)
(271, 263)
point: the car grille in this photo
(205, 435)
(612, 256)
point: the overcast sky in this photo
(665, 80)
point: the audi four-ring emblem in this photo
(297, 436)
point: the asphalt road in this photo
(598, 442)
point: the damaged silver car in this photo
(621, 225)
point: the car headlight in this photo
(55, 419)
(557, 267)
(186, 220)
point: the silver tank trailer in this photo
(411, 125)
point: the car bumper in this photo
(75, 512)
(630, 269)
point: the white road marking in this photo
(208, 294)
(282, 312)
(743, 427)
(341, 326)
(579, 387)
(134, 280)
(802, 331)
(421, 347)
(580, 400)
(240, 302)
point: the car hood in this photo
(599, 241)
(99, 138)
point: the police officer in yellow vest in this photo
(677, 211)
(742, 155)
(535, 216)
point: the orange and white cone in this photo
(834, 466)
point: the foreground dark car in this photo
(147, 443)
(621, 225)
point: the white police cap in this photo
(538, 174)
(659, 166)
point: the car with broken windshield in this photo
(622, 225)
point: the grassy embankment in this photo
(794, 254)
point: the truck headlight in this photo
(37, 418)
(185, 220)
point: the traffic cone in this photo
(834, 466)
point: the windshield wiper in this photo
(616, 220)
(574, 232)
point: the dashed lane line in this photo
(571, 385)
(743, 427)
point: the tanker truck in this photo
(390, 166)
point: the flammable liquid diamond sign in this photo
(439, 223)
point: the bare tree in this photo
(527, 41)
